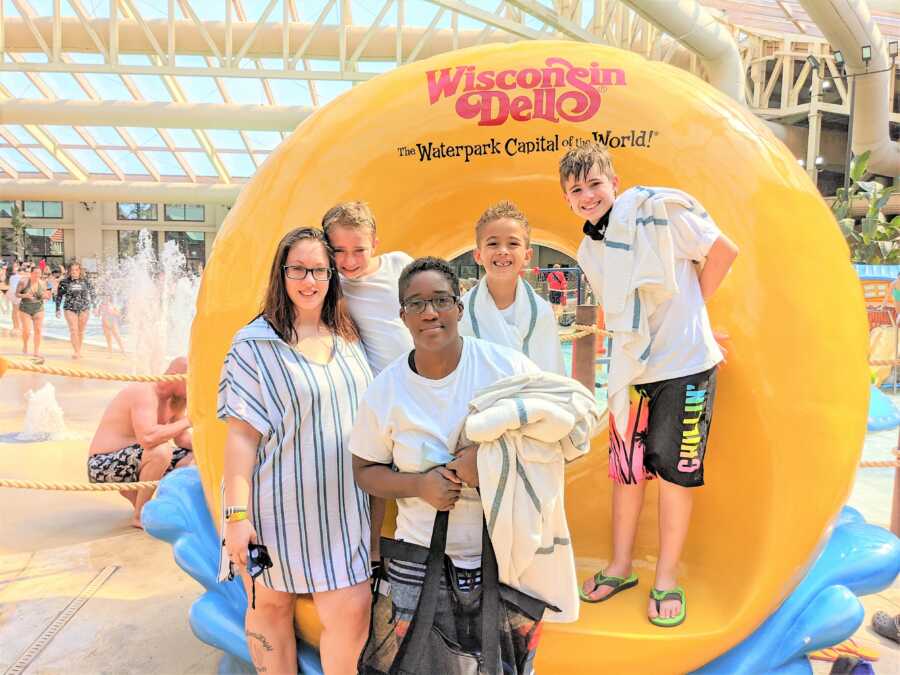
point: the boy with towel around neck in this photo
(370, 285)
(653, 257)
(501, 307)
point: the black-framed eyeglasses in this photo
(299, 272)
(440, 303)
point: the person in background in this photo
(558, 284)
(13, 278)
(144, 434)
(892, 296)
(4, 287)
(53, 281)
(111, 321)
(76, 296)
(32, 292)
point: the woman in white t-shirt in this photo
(410, 419)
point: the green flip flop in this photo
(676, 593)
(617, 584)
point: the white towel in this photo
(527, 428)
(638, 262)
(535, 333)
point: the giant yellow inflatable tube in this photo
(430, 145)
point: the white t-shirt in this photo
(682, 341)
(375, 307)
(402, 415)
(509, 314)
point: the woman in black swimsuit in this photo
(32, 292)
(76, 295)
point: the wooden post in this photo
(584, 350)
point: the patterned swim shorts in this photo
(124, 466)
(668, 429)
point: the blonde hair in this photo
(353, 215)
(504, 209)
(578, 162)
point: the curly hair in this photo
(427, 264)
(504, 209)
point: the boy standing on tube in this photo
(653, 257)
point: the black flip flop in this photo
(617, 584)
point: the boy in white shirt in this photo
(673, 378)
(369, 283)
(501, 307)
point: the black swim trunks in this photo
(668, 431)
(124, 466)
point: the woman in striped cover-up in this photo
(289, 392)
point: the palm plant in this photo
(876, 240)
(20, 235)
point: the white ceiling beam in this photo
(549, 17)
(138, 152)
(86, 23)
(489, 19)
(167, 139)
(134, 15)
(166, 71)
(154, 114)
(13, 142)
(369, 33)
(201, 27)
(311, 33)
(111, 190)
(250, 38)
(101, 153)
(6, 167)
(427, 34)
(46, 141)
(28, 18)
(318, 41)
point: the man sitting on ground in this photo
(144, 433)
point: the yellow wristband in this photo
(236, 517)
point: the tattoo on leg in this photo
(262, 640)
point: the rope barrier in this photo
(883, 463)
(30, 367)
(582, 330)
(590, 329)
(571, 337)
(77, 487)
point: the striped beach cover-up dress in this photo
(304, 504)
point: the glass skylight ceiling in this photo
(298, 76)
